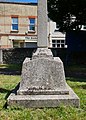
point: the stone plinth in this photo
(40, 101)
(43, 83)
(43, 74)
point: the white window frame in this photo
(58, 43)
(14, 23)
(31, 24)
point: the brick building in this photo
(18, 24)
(18, 27)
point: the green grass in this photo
(7, 83)
(10, 66)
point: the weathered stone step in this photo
(40, 101)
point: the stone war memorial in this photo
(43, 81)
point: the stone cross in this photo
(42, 24)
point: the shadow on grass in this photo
(76, 79)
(82, 86)
(2, 90)
(11, 66)
(7, 71)
(10, 69)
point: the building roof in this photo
(58, 34)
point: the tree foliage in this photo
(62, 12)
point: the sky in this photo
(34, 1)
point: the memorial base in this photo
(43, 83)
(41, 101)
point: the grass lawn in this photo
(8, 82)
(10, 66)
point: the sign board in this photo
(31, 39)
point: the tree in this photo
(68, 14)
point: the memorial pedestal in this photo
(43, 83)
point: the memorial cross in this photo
(42, 24)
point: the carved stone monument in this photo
(43, 79)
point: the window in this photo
(18, 44)
(15, 44)
(15, 24)
(84, 27)
(58, 43)
(31, 24)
